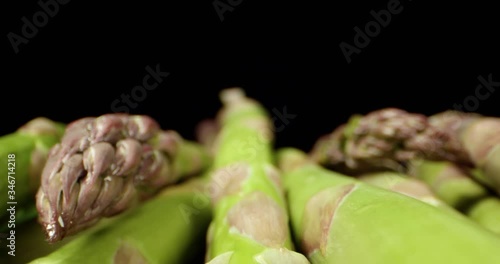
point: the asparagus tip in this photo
(40, 126)
(232, 95)
(290, 158)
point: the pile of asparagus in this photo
(386, 187)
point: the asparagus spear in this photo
(449, 182)
(337, 219)
(28, 147)
(452, 185)
(390, 138)
(457, 190)
(157, 231)
(105, 165)
(250, 222)
(386, 139)
(487, 213)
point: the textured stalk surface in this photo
(337, 219)
(449, 182)
(250, 222)
(453, 185)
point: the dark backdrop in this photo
(427, 58)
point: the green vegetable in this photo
(250, 222)
(105, 165)
(22, 156)
(169, 228)
(338, 219)
(454, 186)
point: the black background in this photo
(283, 53)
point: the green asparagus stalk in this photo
(459, 190)
(168, 228)
(403, 184)
(107, 164)
(250, 222)
(27, 149)
(452, 185)
(478, 175)
(449, 182)
(338, 219)
(487, 213)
